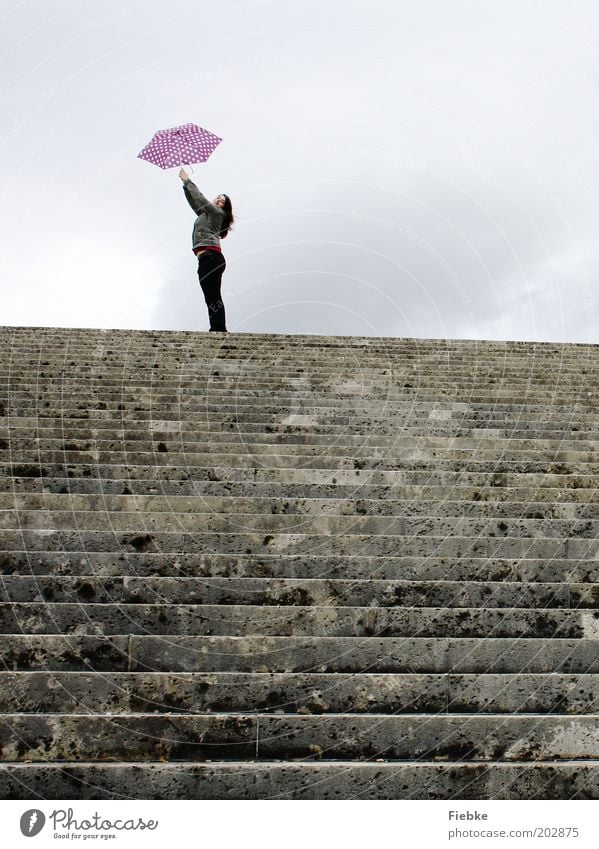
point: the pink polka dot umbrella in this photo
(180, 146)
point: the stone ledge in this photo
(276, 780)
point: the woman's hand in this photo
(183, 174)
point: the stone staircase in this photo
(252, 566)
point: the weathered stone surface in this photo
(256, 692)
(152, 737)
(293, 620)
(75, 652)
(251, 548)
(536, 693)
(176, 542)
(354, 567)
(466, 737)
(364, 654)
(276, 524)
(301, 781)
(295, 591)
(458, 503)
(293, 654)
(297, 692)
(28, 737)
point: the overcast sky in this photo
(396, 168)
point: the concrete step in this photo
(287, 523)
(422, 780)
(469, 462)
(291, 693)
(175, 543)
(447, 446)
(253, 347)
(294, 456)
(295, 362)
(266, 552)
(341, 592)
(424, 414)
(463, 498)
(220, 371)
(465, 385)
(319, 389)
(332, 654)
(186, 345)
(123, 342)
(294, 620)
(232, 505)
(17, 436)
(198, 737)
(335, 406)
(493, 471)
(354, 566)
(120, 342)
(101, 344)
(163, 394)
(140, 381)
(421, 417)
(342, 393)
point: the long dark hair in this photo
(227, 208)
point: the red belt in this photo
(200, 248)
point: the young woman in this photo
(212, 224)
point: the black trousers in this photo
(211, 267)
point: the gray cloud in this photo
(394, 171)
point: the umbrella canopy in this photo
(180, 146)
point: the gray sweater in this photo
(209, 222)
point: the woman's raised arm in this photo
(195, 198)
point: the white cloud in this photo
(475, 126)
(84, 282)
